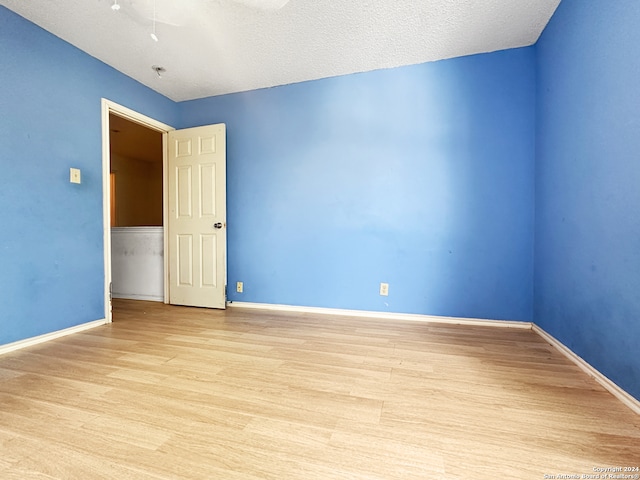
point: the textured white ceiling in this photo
(212, 47)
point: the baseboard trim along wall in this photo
(611, 387)
(614, 389)
(29, 342)
(382, 315)
(133, 296)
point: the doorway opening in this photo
(137, 233)
(134, 205)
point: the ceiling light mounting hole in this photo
(159, 70)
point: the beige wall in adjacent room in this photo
(138, 192)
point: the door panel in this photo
(197, 216)
(208, 189)
(185, 261)
(208, 255)
(184, 194)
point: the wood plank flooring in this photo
(184, 393)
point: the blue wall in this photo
(420, 176)
(51, 247)
(587, 275)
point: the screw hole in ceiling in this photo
(159, 70)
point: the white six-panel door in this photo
(197, 216)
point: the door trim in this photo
(108, 107)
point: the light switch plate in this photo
(74, 175)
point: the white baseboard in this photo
(382, 315)
(609, 385)
(28, 342)
(614, 389)
(130, 296)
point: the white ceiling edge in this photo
(217, 47)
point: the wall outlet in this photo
(239, 287)
(384, 289)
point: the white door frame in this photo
(112, 107)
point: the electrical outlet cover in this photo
(74, 175)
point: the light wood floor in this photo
(186, 393)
